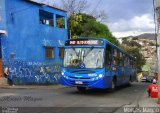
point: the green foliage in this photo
(133, 48)
(152, 44)
(140, 61)
(60, 22)
(131, 43)
(83, 25)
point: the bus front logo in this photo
(82, 65)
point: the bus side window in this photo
(130, 62)
(125, 61)
(115, 56)
(128, 65)
(121, 59)
(108, 56)
(134, 63)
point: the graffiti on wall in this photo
(30, 72)
(3, 52)
(25, 72)
(47, 42)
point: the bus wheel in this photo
(130, 81)
(81, 89)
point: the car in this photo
(143, 79)
(149, 78)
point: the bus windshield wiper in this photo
(77, 54)
(88, 52)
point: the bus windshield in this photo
(84, 58)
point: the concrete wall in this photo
(23, 48)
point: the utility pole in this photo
(157, 29)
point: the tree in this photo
(133, 48)
(74, 25)
(84, 25)
(74, 6)
(140, 61)
(131, 42)
(100, 15)
(80, 6)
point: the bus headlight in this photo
(100, 75)
(65, 76)
(96, 78)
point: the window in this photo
(49, 52)
(12, 55)
(85, 57)
(131, 63)
(121, 62)
(134, 63)
(126, 61)
(60, 21)
(45, 18)
(61, 52)
(115, 56)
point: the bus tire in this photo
(130, 80)
(81, 89)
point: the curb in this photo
(33, 87)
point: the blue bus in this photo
(96, 63)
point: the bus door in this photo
(1, 68)
(108, 58)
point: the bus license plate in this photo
(78, 82)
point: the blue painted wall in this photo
(26, 40)
(2, 15)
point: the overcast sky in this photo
(124, 17)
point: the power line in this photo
(96, 7)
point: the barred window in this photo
(49, 52)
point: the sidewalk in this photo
(144, 104)
(55, 86)
(146, 101)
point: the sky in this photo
(124, 17)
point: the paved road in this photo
(69, 99)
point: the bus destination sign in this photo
(84, 42)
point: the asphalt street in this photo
(68, 99)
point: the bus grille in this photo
(83, 71)
(79, 78)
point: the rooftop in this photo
(42, 3)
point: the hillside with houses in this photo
(147, 47)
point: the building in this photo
(32, 37)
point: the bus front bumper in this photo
(101, 83)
